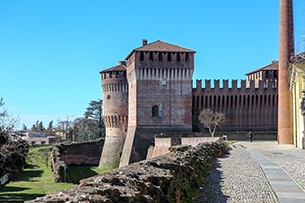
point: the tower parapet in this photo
(160, 95)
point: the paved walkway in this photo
(286, 189)
(260, 171)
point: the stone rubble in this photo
(170, 178)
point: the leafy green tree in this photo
(38, 126)
(90, 127)
(50, 126)
(94, 113)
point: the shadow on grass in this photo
(29, 175)
(16, 194)
(30, 166)
(78, 172)
(18, 197)
(212, 192)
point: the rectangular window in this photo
(151, 56)
(141, 56)
(160, 56)
(178, 56)
(169, 56)
(156, 110)
(187, 57)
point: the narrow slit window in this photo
(155, 111)
(169, 56)
(178, 57)
(141, 56)
(160, 56)
(187, 57)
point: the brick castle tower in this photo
(160, 95)
(115, 113)
(286, 51)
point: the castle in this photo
(152, 92)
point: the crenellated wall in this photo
(247, 107)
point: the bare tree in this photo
(211, 119)
(13, 149)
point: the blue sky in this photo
(51, 51)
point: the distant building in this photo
(266, 73)
(40, 138)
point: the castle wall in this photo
(245, 107)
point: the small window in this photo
(160, 56)
(151, 56)
(141, 56)
(157, 111)
(169, 56)
(178, 57)
(43, 142)
(187, 57)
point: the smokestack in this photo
(144, 42)
(286, 50)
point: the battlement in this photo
(113, 74)
(244, 84)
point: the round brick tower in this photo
(286, 51)
(115, 113)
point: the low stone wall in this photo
(169, 178)
(79, 153)
(163, 144)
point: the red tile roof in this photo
(114, 68)
(272, 66)
(160, 46)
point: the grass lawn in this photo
(37, 178)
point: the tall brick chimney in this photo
(286, 50)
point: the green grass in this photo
(36, 179)
(84, 171)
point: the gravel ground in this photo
(237, 178)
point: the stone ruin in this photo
(169, 178)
